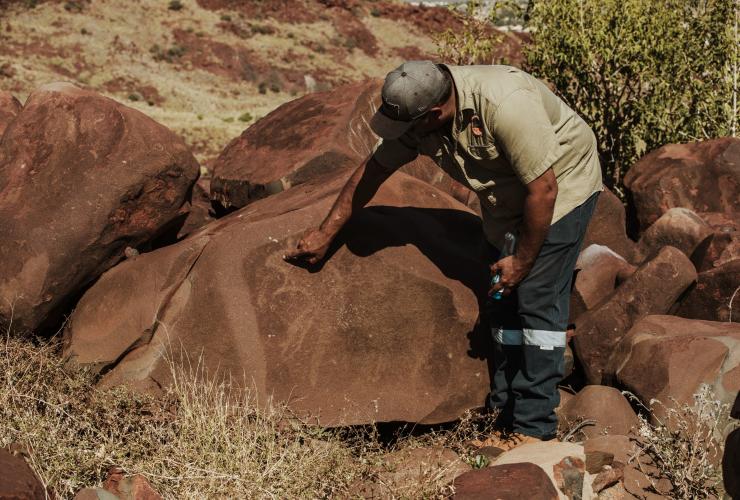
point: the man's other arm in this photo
(539, 205)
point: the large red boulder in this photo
(715, 296)
(652, 289)
(313, 136)
(667, 358)
(383, 330)
(81, 178)
(702, 176)
(9, 109)
(608, 226)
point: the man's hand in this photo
(312, 247)
(512, 272)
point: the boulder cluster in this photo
(109, 234)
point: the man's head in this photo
(417, 94)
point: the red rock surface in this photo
(652, 360)
(680, 228)
(9, 109)
(17, 480)
(599, 271)
(610, 411)
(712, 295)
(505, 482)
(725, 245)
(134, 487)
(652, 289)
(317, 135)
(701, 176)
(608, 226)
(381, 333)
(199, 211)
(81, 178)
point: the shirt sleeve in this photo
(525, 134)
(393, 154)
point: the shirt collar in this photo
(465, 108)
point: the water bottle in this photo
(509, 241)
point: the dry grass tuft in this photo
(686, 443)
(201, 439)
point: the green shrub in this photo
(475, 42)
(245, 117)
(175, 5)
(642, 73)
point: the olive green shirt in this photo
(509, 128)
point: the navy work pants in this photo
(529, 331)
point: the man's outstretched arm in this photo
(356, 193)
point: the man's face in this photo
(433, 120)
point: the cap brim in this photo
(388, 128)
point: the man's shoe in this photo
(516, 440)
(505, 442)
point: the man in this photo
(533, 163)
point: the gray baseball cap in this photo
(408, 93)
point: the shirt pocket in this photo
(483, 152)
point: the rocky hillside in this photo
(208, 68)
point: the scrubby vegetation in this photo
(200, 439)
(643, 73)
(686, 441)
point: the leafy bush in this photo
(643, 73)
(475, 42)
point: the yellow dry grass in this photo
(109, 39)
(199, 439)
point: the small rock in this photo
(568, 475)
(606, 478)
(621, 448)
(616, 492)
(596, 461)
(134, 487)
(606, 406)
(17, 480)
(505, 482)
(599, 271)
(680, 228)
(710, 297)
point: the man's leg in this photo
(543, 300)
(506, 332)
(507, 357)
